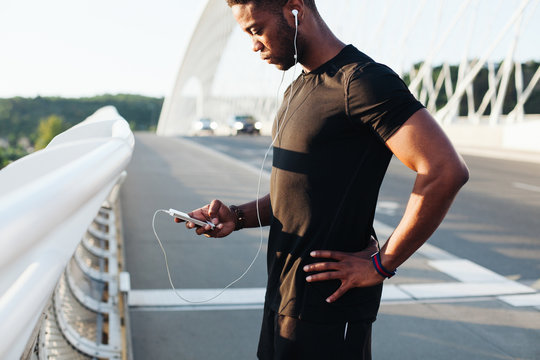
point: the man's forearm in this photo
(249, 211)
(423, 146)
(429, 202)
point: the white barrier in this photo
(47, 201)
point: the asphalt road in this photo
(494, 222)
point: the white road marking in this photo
(526, 186)
(168, 297)
(201, 307)
(253, 298)
(460, 289)
(434, 253)
(522, 300)
(393, 292)
(468, 272)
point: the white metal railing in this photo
(47, 201)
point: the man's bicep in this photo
(422, 145)
(378, 98)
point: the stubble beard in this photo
(286, 33)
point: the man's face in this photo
(270, 33)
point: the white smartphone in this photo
(186, 217)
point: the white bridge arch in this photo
(476, 36)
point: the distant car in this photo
(244, 124)
(204, 126)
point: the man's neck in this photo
(320, 46)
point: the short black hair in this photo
(269, 4)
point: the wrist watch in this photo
(240, 217)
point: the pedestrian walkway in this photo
(438, 307)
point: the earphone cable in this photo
(279, 128)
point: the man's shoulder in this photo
(353, 55)
(357, 64)
(351, 58)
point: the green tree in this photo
(48, 128)
(10, 154)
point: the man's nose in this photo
(257, 45)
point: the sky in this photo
(76, 48)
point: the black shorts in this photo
(286, 338)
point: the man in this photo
(340, 123)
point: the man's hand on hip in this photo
(352, 269)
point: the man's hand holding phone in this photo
(212, 220)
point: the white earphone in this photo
(295, 13)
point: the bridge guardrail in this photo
(48, 200)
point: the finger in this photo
(177, 220)
(328, 254)
(327, 275)
(339, 293)
(201, 213)
(213, 231)
(222, 230)
(200, 230)
(213, 209)
(322, 266)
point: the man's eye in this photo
(256, 32)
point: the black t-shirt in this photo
(329, 161)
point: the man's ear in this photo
(294, 10)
